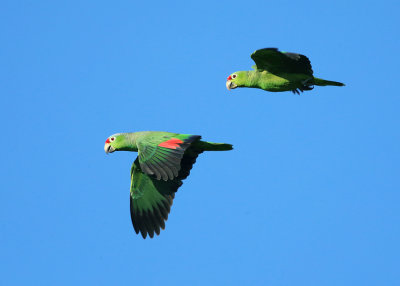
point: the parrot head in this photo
(114, 143)
(237, 79)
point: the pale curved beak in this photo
(230, 85)
(108, 148)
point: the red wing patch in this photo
(171, 143)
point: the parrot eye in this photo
(233, 76)
(112, 139)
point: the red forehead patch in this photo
(229, 78)
(171, 143)
(108, 140)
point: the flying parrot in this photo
(278, 71)
(164, 160)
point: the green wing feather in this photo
(276, 62)
(161, 155)
(151, 199)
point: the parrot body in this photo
(278, 71)
(164, 160)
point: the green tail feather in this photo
(322, 82)
(210, 146)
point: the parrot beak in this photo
(230, 85)
(108, 148)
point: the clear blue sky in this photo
(309, 196)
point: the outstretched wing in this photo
(161, 156)
(276, 62)
(151, 199)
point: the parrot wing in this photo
(151, 199)
(161, 156)
(276, 62)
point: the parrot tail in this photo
(210, 146)
(322, 82)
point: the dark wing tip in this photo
(186, 142)
(193, 138)
(257, 52)
(266, 49)
(274, 60)
(150, 222)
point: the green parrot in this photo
(278, 71)
(164, 160)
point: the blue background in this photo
(309, 196)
